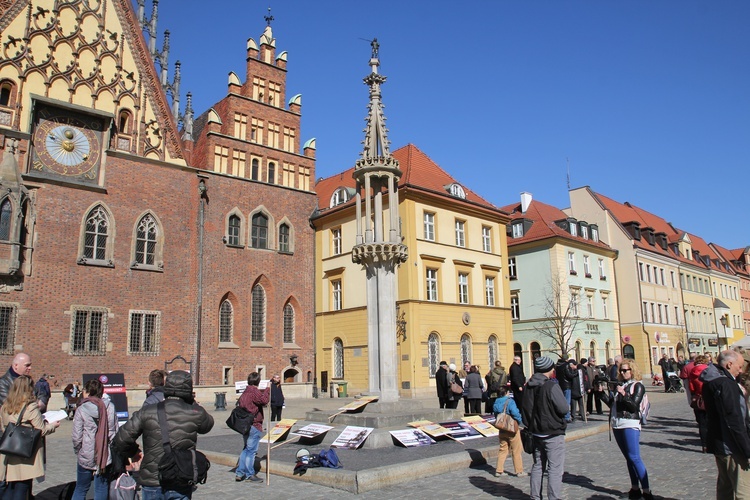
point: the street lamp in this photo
(724, 320)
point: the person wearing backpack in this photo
(625, 419)
(185, 420)
(495, 379)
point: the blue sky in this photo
(647, 101)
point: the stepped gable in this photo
(418, 172)
(106, 63)
(544, 217)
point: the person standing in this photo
(42, 392)
(155, 392)
(517, 380)
(17, 473)
(506, 404)
(462, 374)
(454, 397)
(612, 369)
(578, 387)
(442, 384)
(543, 413)
(594, 397)
(473, 390)
(626, 426)
(495, 379)
(277, 398)
(253, 400)
(666, 367)
(185, 419)
(727, 419)
(21, 365)
(564, 375)
(696, 390)
(94, 427)
(685, 370)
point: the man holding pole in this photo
(252, 400)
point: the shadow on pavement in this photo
(498, 489)
(585, 482)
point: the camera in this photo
(612, 384)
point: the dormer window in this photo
(457, 191)
(584, 231)
(595, 233)
(574, 229)
(517, 228)
(341, 195)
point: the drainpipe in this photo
(202, 189)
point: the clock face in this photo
(67, 145)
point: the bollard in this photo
(221, 401)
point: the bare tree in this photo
(561, 315)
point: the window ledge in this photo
(588, 275)
(228, 345)
(158, 268)
(291, 346)
(573, 273)
(286, 253)
(603, 278)
(513, 277)
(255, 343)
(84, 261)
(230, 245)
(143, 353)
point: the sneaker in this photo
(635, 494)
(254, 478)
(500, 474)
(239, 478)
(521, 474)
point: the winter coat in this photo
(21, 469)
(517, 378)
(543, 407)
(694, 380)
(185, 421)
(442, 384)
(83, 434)
(253, 400)
(154, 396)
(626, 408)
(495, 378)
(453, 377)
(577, 384)
(512, 409)
(473, 386)
(727, 431)
(277, 395)
(5, 382)
(564, 374)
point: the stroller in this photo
(675, 384)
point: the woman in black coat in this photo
(277, 398)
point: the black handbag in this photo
(240, 420)
(527, 439)
(20, 440)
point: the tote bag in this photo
(505, 423)
(20, 440)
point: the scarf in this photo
(101, 439)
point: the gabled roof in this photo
(544, 227)
(418, 172)
(731, 256)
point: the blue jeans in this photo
(246, 465)
(83, 483)
(628, 441)
(156, 493)
(567, 393)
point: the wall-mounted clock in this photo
(67, 144)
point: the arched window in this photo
(226, 322)
(235, 224)
(536, 350)
(492, 350)
(628, 351)
(6, 210)
(289, 324)
(465, 348)
(145, 243)
(433, 353)
(341, 195)
(592, 349)
(124, 122)
(97, 231)
(607, 350)
(255, 174)
(284, 238)
(578, 350)
(258, 325)
(6, 91)
(338, 358)
(271, 173)
(259, 234)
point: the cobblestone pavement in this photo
(594, 468)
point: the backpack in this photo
(495, 385)
(179, 468)
(645, 406)
(329, 458)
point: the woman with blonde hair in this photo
(625, 418)
(18, 472)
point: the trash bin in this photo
(342, 389)
(220, 404)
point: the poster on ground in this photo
(279, 430)
(485, 428)
(461, 430)
(114, 387)
(312, 430)
(430, 428)
(359, 403)
(412, 437)
(352, 437)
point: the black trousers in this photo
(591, 397)
(275, 413)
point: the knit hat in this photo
(452, 367)
(179, 384)
(543, 364)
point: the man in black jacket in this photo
(442, 384)
(21, 365)
(565, 374)
(728, 437)
(185, 419)
(543, 412)
(517, 379)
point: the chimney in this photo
(525, 201)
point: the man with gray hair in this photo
(21, 365)
(727, 439)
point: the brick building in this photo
(126, 242)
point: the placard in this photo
(461, 430)
(312, 430)
(114, 387)
(352, 437)
(430, 428)
(359, 403)
(412, 437)
(279, 430)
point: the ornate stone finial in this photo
(269, 17)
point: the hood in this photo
(537, 379)
(711, 372)
(179, 384)
(498, 370)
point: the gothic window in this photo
(259, 235)
(338, 358)
(88, 330)
(433, 353)
(235, 224)
(258, 325)
(144, 332)
(254, 170)
(289, 324)
(97, 231)
(284, 238)
(148, 243)
(492, 350)
(8, 313)
(124, 122)
(271, 173)
(465, 348)
(6, 89)
(6, 210)
(226, 322)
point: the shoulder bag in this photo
(504, 422)
(20, 440)
(456, 388)
(240, 420)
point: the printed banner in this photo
(312, 430)
(430, 428)
(352, 437)
(461, 430)
(114, 387)
(412, 437)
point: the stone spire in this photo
(379, 252)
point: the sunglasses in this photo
(623, 370)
